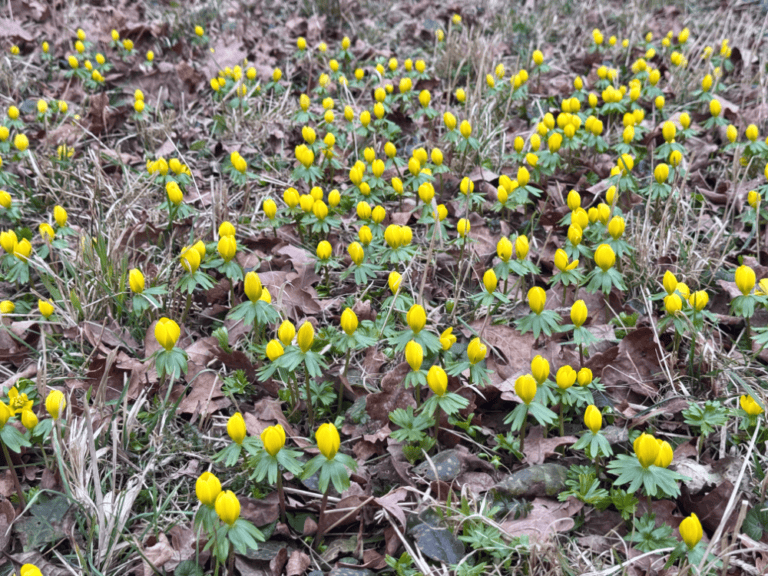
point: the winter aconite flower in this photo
(525, 388)
(476, 351)
(55, 404)
(537, 298)
(236, 428)
(437, 380)
(691, 531)
(414, 355)
(227, 507)
(45, 307)
(207, 489)
(328, 440)
(749, 405)
(305, 336)
(593, 419)
(167, 333)
(646, 449)
(745, 279)
(273, 438)
(447, 339)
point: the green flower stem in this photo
(16, 483)
(749, 333)
(310, 411)
(757, 232)
(693, 342)
(187, 306)
(581, 356)
(320, 522)
(418, 397)
(341, 384)
(522, 432)
(281, 495)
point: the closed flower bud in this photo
(715, 107)
(328, 440)
(593, 419)
(252, 286)
(426, 192)
(414, 355)
(394, 280)
(616, 227)
(348, 321)
(646, 449)
(664, 459)
(136, 281)
(463, 227)
(561, 261)
(521, 247)
(274, 350)
(23, 249)
(416, 318)
(356, 252)
(305, 336)
(565, 378)
(21, 142)
(320, 210)
(227, 507)
(574, 234)
(691, 531)
(574, 200)
(227, 248)
(437, 156)
(365, 235)
(167, 333)
(670, 282)
(55, 403)
(579, 313)
(523, 176)
(745, 279)
(753, 198)
(540, 369)
(465, 129)
(537, 298)
(504, 249)
(190, 259)
(447, 339)
(584, 377)
(525, 388)
(7, 307)
(207, 489)
(28, 419)
(661, 173)
(476, 351)
(5, 199)
(605, 257)
(490, 281)
(45, 307)
(270, 208)
(668, 131)
(699, 300)
(273, 438)
(752, 133)
(731, 133)
(449, 120)
(286, 332)
(437, 380)
(236, 428)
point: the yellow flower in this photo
(228, 507)
(348, 321)
(579, 313)
(753, 198)
(525, 388)
(21, 142)
(646, 449)
(565, 378)
(521, 247)
(365, 235)
(750, 406)
(207, 489)
(447, 339)
(593, 419)
(324, 250)
(561, 261)
(236, 428)
(691, 531)
(305, 336)
(5, 199)
(539, 369)
(673, 304)
(745, 279)
(504, 249)
(666, 454)
(356, 252)
(437, 380)
(584, 377)
(616, 227)
(275, 350)
(414, 355)
(18, 402)
(5, 414)
(489, 280)
(270, 208)
(273, 438)
(328, 440)
(537, 298)
(574, 234)
(463, 227)
(190, 259)
(393, 281)
(286, 332)
(136, 280)
(416, 318)
(23, 249)
(476, 351)
(715, 107)
(461, 96)
(699, 300)
(28, 419)
(55, 403)
(167, 333)
(227, 247)
(7, 307)
(45, 307)
(449, 120)
(752, 132)
(605, 257)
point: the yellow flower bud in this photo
(55, 404)
(521, 247)
(7, 307)
(745, 279)
(525, 388)
(45, 307)
(476, 351)
(666, 454)
(616, 227)
(699, 300)
(447, 339)
(348, 321)
(393, 281)
(136, 281)
(593, 418)
(691, 531)
(537, 298)
(236, 428)
(167, 333)
(750, 406)
(414, 355)
(207, 489)
(252, 286)
(227, 248)
(490, 281)
(504, 249)
(646, 449)
(328, 440)
(273, 438)
(584, 377)
(305, 336)
(565, 378)
(29, 421)
(605, 257)
(227, 507)
(463, 227)
(274, 350)
(579, 313)
(286, 332)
